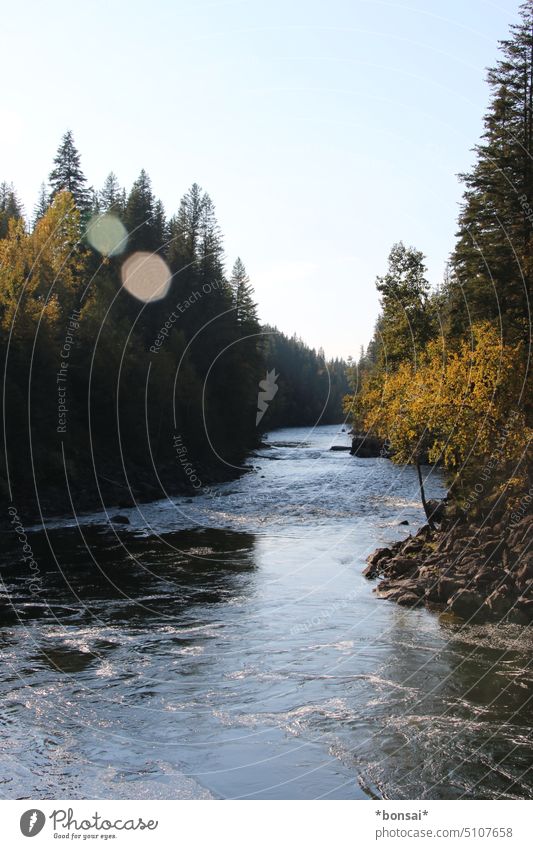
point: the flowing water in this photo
(228, 646)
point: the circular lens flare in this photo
(107, 234)
(146, 276)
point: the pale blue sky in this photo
(323, 131)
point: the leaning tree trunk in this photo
(427, 511)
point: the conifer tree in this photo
(42, 205)
(67, 174)
(139, 215)
(111, 195)
(10, 207)
(242, 296)
(492, 268)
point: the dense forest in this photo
(130, 356)
(446, 377)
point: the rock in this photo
(403, 522)
(518, 616)
(408, 599)
(367, 446)
(525, 605)
(340, 448)
(372, 570)
(394, 590)
(120, 520)
(465, 603)
(412, 545)
(400, 565)
(499, 603)
(447, 587)
(486, 576)
(490, 551)
(523, 575)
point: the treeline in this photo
(447, 375)
(100, 386)
(310, 390)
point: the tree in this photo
(67, 176)
(406, 322)
(111, 195)
(242, 297)
(139, 216)
(453, 407)
(42, 205)
(10, 207)
(492, 267)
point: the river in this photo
(227, 646)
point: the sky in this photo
(323, 131)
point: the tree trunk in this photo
(423, 496)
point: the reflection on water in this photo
(231, 648)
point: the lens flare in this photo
(107, 234)
(146, 276)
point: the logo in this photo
(32, 822)
(268, 389)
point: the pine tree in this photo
(112, 196)
(242, 297)
(10, 207)
(492, 268)
(184, 231)
(67, 174)
(42, 205)
(160, 227)
(139, 215)
(94, 205)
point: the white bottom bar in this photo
(279, 824)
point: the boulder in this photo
(120, 520)
(412, 545)
(466, 603)
(491, 551)
(374, 559)
(408, 599)
(523, 575)
(399, 565)
(487, 576)
(448, 586)
(499, 603)
(367, 446)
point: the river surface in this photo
(227, 646)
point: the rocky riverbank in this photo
(478, 572)
(111, 491)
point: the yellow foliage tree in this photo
(40, 272)
(457, 407)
